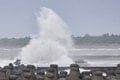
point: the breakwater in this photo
(73, 72)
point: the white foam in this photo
(5, 62)
(51, 45)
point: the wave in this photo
(93, 49)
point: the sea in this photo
(85, 57)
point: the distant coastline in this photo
(86, 41)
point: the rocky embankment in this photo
(30, 72)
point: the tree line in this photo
(14, 42)
(102, 39)
(78, 40)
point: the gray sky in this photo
(96, 17)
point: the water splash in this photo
(52, 44)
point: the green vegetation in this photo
(85, 40)
(14, 42)
(97, 40)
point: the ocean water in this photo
(96, 57)
(8, 55)
(83, 57)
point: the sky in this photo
(94, 17)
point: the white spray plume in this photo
(52, 44)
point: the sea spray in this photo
(52, 43)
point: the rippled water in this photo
(96, 57)
(84, 57)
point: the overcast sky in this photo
(96, 17)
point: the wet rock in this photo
(118, 74)
(40, 75)
(8, 71)
(51, 71)
(62, 75)
(110, 75)
(49, 76)
(74, 72)
(31, 68)
(55, 67)
(3, 74)
(12, 77)
(86, 78)
(28, 76)
(85, 75)
(118, 67)
(97, 75)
